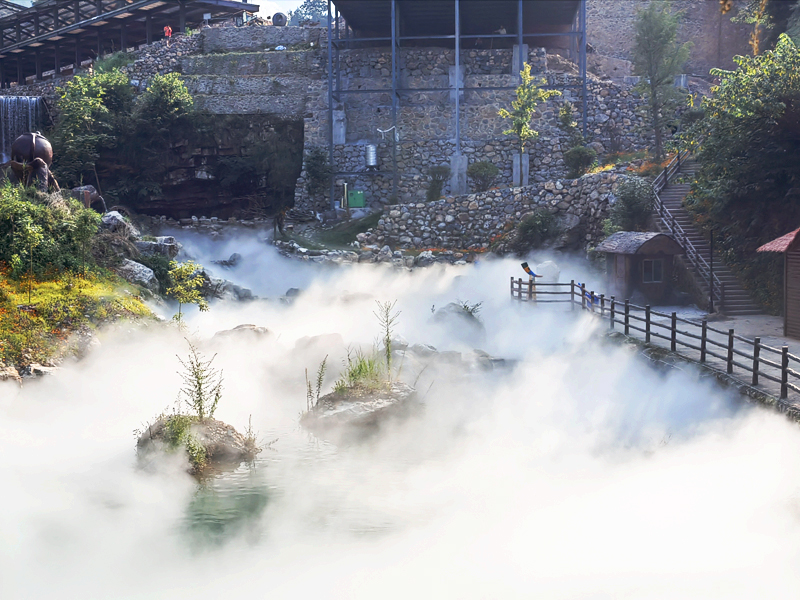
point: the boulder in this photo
(114, 222)
(89, 196)
(358, 411)
(164, 245)
(234, 260)
(138, 274)
(570, 236)
(223, 444)
(9, 374)
(246, 331)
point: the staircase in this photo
(730, 297)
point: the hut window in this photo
(652, 271)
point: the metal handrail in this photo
(697, 261)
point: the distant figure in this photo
(479, 43)
(168, 33)
(280, 220)
(502, 30)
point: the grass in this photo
(343, 235)
(114, 61)
(362, 373)
(39, 330)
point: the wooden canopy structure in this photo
(789, 246)
(44, 38)
(640, 261)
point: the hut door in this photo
(620, 286)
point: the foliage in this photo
(202, 384)
(362, 373)
(568, 124)
(113, 61)
(312, 394)
(483, 174)
(186, 279)
(534, 230)
(579, 159)
(160, 266)
(318, 171)
(470, 309)
(309, 10)
(769, 19)
(439, 176)
(746, 191)
(60, 306)
(658, 58)
(634, 205)
(344, 234)
(44, 234)
(387, 320)
(523, 109)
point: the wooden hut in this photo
(640, 261)
(789, 245)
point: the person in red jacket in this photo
(168, 33)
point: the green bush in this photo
(483, 174)
(318, 171)
(438, 177)
(534, 230)
(579, 159)
(634, 205)
(114, 61)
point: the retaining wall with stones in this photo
(469, 222)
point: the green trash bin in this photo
(355, 199)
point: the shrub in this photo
(114, 61)
(185, 283)
(202, 384)
(318, 170)
(634, 205)
(534, 230)
(482, 173)
(438, 176)
(579, 159)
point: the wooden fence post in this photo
(647, 323)
(784, 372)
(583, 296)
(674, 333)
(512, 286)
(627, 316)
(613, 313)
(730, 351)
(591, 301)
(530, 288)
(572, 295)
(756, 352)
(602, 305)
(703, 337)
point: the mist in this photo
(577, 470)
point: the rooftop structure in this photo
(54, 33)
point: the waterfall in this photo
(18, 115)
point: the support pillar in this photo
(182, 17)
(395, 74)
(57, 59)
(518, 59)
(38, 60)
(77, 64)
(123, 38)
(20, 79)
(149, 28)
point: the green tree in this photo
(483, 174)
(186, 282)
(310, 10)
(748, 188)
(634, 205)
(529, 95)
(657, 59)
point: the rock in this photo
(116, 223)
(36, 370)
(234, 260)
(423, 350)
(462, 322)
(88, 195)
(358, 411)
(138, 274)
(164, 245)
(9, 374)
(245, 331)
(549, 272)
(223, 444)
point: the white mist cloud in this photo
(578, 472)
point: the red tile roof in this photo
(782, 244)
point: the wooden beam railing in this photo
(736, 353)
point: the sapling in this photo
(202, 383)
(186, 280)
(387, 321)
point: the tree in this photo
(748, 188)
(187, 279)
(658, 58)
(529, 95)
(309, 10)
(202, 384)
(483, 174)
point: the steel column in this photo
(582, 53)
(57, 59)
(522, 58)
(330, 102)
(149, 28)
(38, 60)
(395, 69)
(182, 17)
(458, 77)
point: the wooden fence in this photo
(735, 351)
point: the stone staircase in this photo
(736, 301)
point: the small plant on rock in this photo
(202, 384)
(387, 320)
(483, 174)
(438, 177)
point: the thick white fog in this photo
(577, 471)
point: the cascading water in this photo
(18, 114)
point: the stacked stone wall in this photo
(469, 222)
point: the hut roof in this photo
(781, 244)
(638, 242)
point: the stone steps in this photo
(737, 300)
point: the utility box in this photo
(355, 199)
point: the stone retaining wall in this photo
(469, 222)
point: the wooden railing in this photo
(700, 264)
(735, 351)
